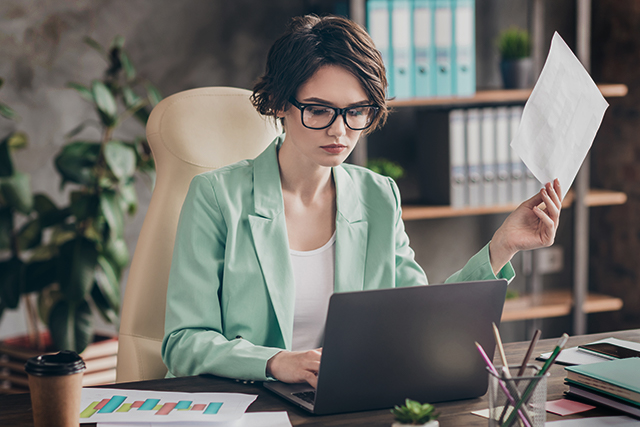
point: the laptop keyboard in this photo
(307, 396)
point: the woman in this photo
(263, 243)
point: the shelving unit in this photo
(594, 198)
(539, 304)
(493, 97)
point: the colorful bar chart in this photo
(117, 404)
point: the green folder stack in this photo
(614, 383)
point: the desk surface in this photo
(15, 410)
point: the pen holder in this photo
(528, 392)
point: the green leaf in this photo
(47, 211)
(39, 274)
(108, 281)
(7, 112)
(143, 115)
(129, 70)
(6, 163)
(6, 227)
(18, 140)
(110, 207)
(30, 235)
(71, 325)
(95, 45)
(76, 268)
(118, 252)
(47, 299)
(108, 314)
(83, 205)
(105, 102)
(129, 197)
(117, 42)
(84, 91)
(130, 97)
(121, 159)
(76, 162)
(154, 94)
(11, 282)
(16, 190)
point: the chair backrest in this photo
(189, 133)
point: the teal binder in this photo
(379, 27)
(444, 44)
(464, 47)
(423, 47)
(402, 48)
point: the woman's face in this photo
(332, 86)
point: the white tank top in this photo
(313, 274)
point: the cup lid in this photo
(63, 363)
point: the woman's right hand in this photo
(295, 366)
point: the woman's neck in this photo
(304, 180)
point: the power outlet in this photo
(549, 260)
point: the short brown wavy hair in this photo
(310, 43)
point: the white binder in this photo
(517, 165)
(424, 50)
(379, 28)
(503, 176)
(457, 161)
(473, 156)
(443, 42)
(402, 49)
(488, 143)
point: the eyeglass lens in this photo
(319, 116)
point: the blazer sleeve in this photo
(193, 341)
(409, 273)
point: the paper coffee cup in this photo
(55, 384)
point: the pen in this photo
(532, 344)
(556, 351)
(506, 375)
(523, 365)
(494, 371)
(503, 356)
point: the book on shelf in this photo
(584, 394)
(619, 378)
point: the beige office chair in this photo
(189, 133)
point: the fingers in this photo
(296, 366)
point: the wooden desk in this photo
(15, 410)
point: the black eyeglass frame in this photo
(338, 112)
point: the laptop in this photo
(383, 346)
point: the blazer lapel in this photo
(351, 235)
(269, 231)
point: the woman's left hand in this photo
(528, 227)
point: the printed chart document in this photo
(560, 119)
(100, 405)
(250, 419)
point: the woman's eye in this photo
(318, 111)
(355, 112)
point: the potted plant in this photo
(386, 167)
(72, 257)
(416, 414)
(516, 64)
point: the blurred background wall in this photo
(179, 45)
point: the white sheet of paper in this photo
(560, 119)
(574, 356)
(615, 421)
(230, 406)
(249, 419)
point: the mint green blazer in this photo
(231, 293)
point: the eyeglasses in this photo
(316, 116)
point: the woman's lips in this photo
(334, 148)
